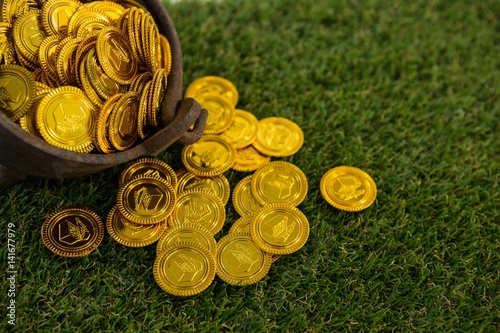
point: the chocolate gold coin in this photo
(348, 188)
(239, 261)
(278, 137)
(184, 269)
(133, 234)
(72, 232)
(279, 182)
(279, 229)
(149, 167)
(208, 157)
(213, 86)
(146, 200)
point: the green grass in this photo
(407, 91)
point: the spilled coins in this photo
(86, 77)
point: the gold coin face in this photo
(56, 15)
(133, 234)
(220, 113)
(146, 200)
(239, 261)
(243, 199)
(66, 118)
(115, 55)
(279, 229)
(249, 159)
(123, 121)
(28, 35)
(72, 232)
(208, 157)
(149, 167)
(192, 233)
(278, 137)
(242, 225)
(110, 8)
(104, 86)
(218, 185)
(184, 269)
(348, 188)
(213, 86)
(243, 131)
(201, 208)
(279, 182)
(17, 90)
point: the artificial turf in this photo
(407, 91)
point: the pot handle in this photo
(189, 113)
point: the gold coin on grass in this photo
(220, 113)
(72, 232)
(210, 156)
(184, 269)
(66, 119)
(348, 188)
(242, 225)
(243, 131)
(146, 200)
(239, 261)
(279, 229)
(279, 182)
(243, 199)
(133, 234)
(249, 159)
(213, 86)
(149, 167)
(278, 137)
(191, 232)
(202, 208)
(17, 90)
(218, 185)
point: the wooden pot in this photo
(23, 154)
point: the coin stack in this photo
(82, 76)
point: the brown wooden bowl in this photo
(23, 154)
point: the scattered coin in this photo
(278, 137)
(213, 86)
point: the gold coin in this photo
(66, 119)
(28, 35)
(133, 234)
(202, 208)
(242, 225)
(279, 229)
(220, 113)
(278, 137)
(7, 52)
(213, 86)
(123, 121)
(210, 156)
(348, 188)
(191, 232)
(18, 90)
(157, 92)
(104, 86)
(243, 131)
(87, 86)
(110, 8)
(64, 65)
(146, 200)
(153, 47)
(218, 185)
(47, 55)
(83, 14)
(90, 27)
(14, 8)
(115, 55)
(279, 182)
(101, 135)
(243, 199)
(149, 167)
(165, 54)
(56, 15)
(72, 232)
(142, 117)
(249, 159)
(184, 269)
(239, 261)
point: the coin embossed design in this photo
(202, 208)
(278, 137)
(243, 199)
(213, 86)
(146, 200)
(133, 234)
(220, 113)
(243, 130)
(208, 157)
(348, 188)
(239, 261)
(279, 182)
(184, 269)
(72, 232)
(279, 229)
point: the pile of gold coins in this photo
(82, 76)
